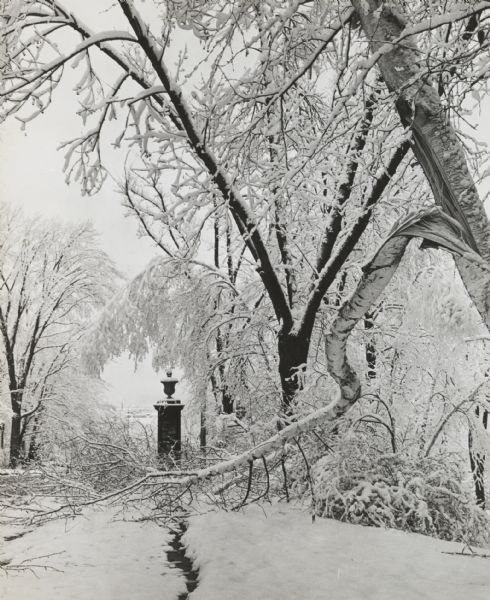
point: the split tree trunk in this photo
(435, 143)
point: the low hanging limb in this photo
(436, 229)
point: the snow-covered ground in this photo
(95, 557)
(279, 554)
(270, 553)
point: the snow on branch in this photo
(432, 225)
(53, 66)
(243, 217)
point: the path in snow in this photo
(178, 558)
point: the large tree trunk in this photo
(293, 354)
(435, 143)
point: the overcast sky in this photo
(31, 177)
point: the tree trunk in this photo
(370, 349)
(203, 429)
(435, 143)
(477, 462)
(15, 431)
(227, 402)
(32, 451)
(293, 354)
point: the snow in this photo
(262, 553)
(97, 556)
(277, 553)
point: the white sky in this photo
(31, 177)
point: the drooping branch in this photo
(376, 276)
(50, 69)
(470, 400)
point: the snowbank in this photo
(279, 554)
(96, 557)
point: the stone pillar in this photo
(169, 420)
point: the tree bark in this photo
(293, 354)
(477, 465)
(203, 428)
(15, 430)
(370, 348)
(477, 461)
(376, 276)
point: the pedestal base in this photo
(169, 428)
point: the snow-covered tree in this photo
(53, 278)
(269, 148)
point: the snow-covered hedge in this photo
(424, 495)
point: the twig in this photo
(249, 485)
(283, 467)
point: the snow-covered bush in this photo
(425, 495)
